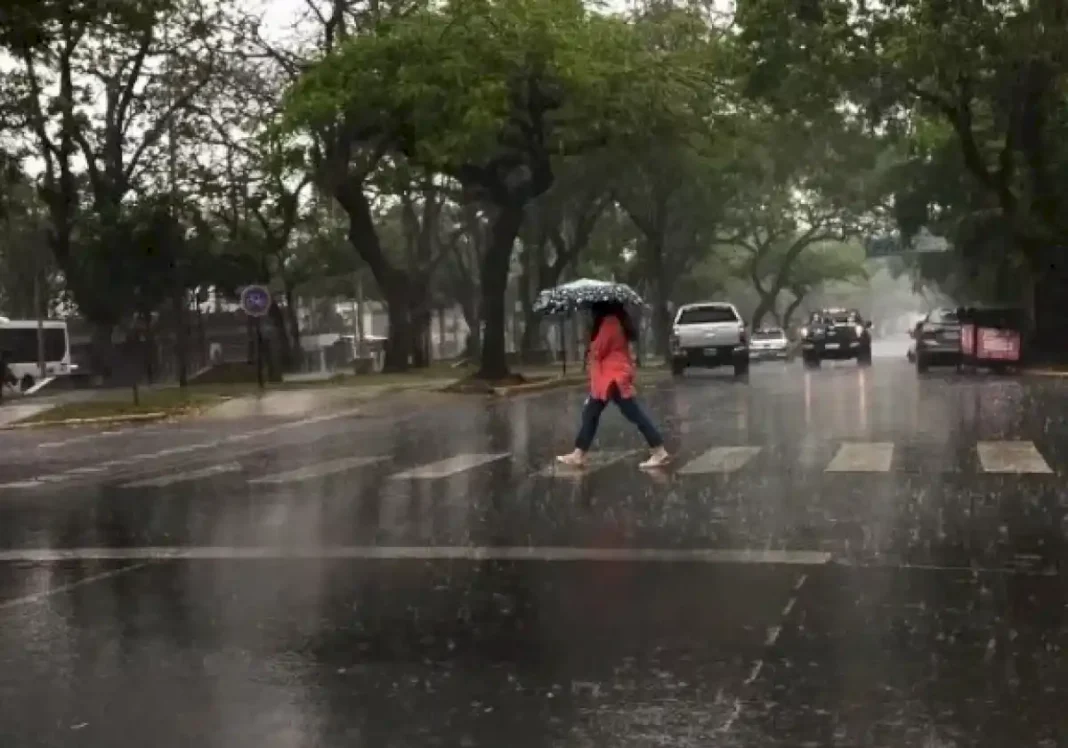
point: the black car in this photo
(937, 339)
(836, 334)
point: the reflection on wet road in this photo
(846, 557)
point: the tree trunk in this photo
(281, 334)
(102, 350)
(766, 304)
(149, 338)
(181, 339)
(494, 277)
(392, 282)
(420, 320)
(662, 294)
(293, 320)
(399, 337)
(791, 308)
(250, 340)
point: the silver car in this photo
(768, 343)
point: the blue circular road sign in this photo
(255, 300)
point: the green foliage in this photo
(474, 80)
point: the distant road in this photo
(892, 347)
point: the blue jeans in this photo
(628, 406)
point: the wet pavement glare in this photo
(841, 557)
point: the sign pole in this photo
(256, 301)
(259, 352)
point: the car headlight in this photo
(804, 332)
(860, 330)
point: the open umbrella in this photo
(583, 293)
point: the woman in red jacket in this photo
(612, 378)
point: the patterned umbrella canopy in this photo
(582, 293)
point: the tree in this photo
(28, 281)
(675, 197)
(146, 63)
(815, 269)
(559, 226)
(985, 79)
(491, 94)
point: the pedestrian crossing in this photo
(809, 456)
(861, 457)
(1011, 457)
(720, 460)
(847, 458)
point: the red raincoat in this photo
(609, 361)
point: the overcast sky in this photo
(280, 14)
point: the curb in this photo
(1044, 373)
(548, 384)
(131, 418)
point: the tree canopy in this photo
(466, 154)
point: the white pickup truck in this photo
(708, 335)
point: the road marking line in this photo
(800, 582)
(449, 466)
(185, 449)
(736, 712)
(596, 461)
(37, 597)
(773, 635)
(788, 607)
(320, 470)
(191, 475)
(720, 460)
(421, 553)
(1011, 457)
(85, 470)
(30, 483)
(755, 672)
(862, 457)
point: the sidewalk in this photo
(294, 403)
(14, 413)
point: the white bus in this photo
(18, 340)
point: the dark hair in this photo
(610, 309)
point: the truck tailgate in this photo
(710, 335)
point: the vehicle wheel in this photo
(921, 363)
(810, 362)
(677, 368)
(26, 382)
(864, 357)
(741, 367)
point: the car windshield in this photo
(944, 316)
(703, 315)
(842, 318)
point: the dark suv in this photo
(937, 339)
(836, 334)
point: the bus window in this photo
(21, 345)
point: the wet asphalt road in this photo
(843, 557)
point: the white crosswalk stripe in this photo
(318, 470)
(191, 475)
(720, 460)
(595, 461)
(1011, 457)
(450, 466)
(862, 457)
